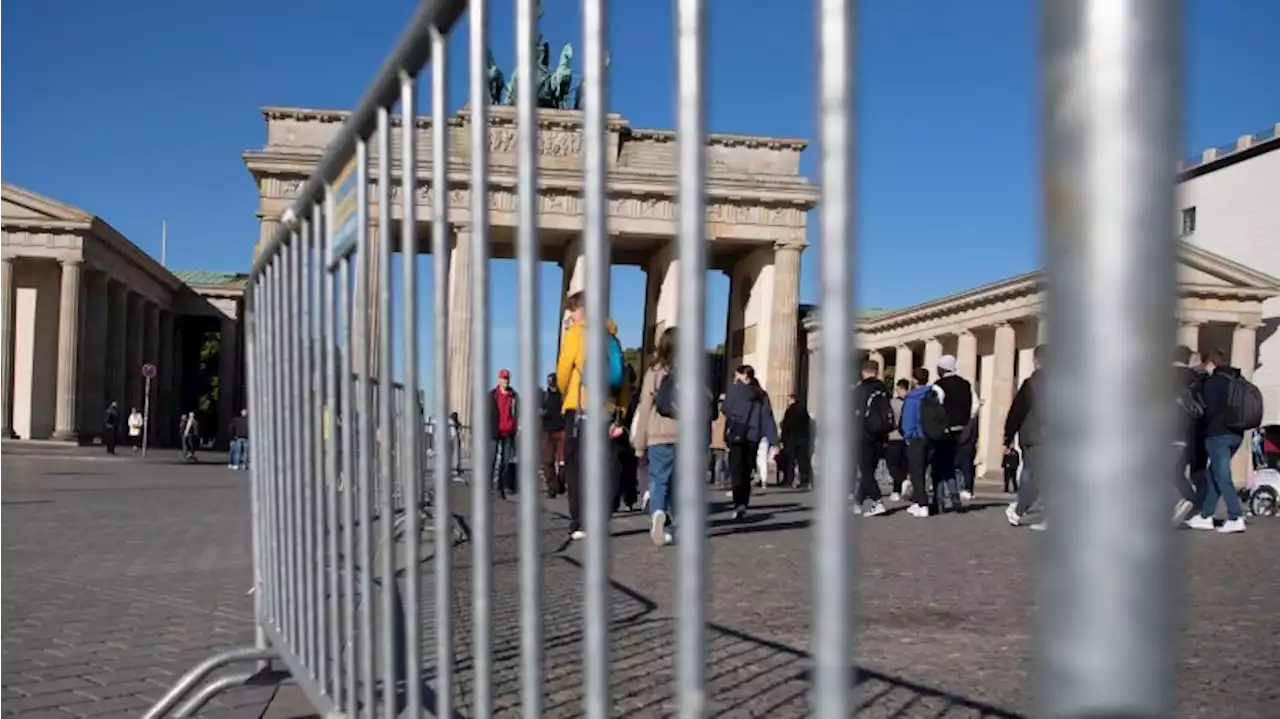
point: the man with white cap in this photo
(961, 404)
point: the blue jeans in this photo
(240, 452)
(662, 465)
(1220, 450)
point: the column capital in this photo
(1189, 323)
(790, 244)
(1248, 326)
(75, 262)
(966, 331)
(1002, 324)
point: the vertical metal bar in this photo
(691, 369)
(441, 248)
(261, 464)
(288, 406)
(306, 465)
(481, 443)
(1111, 73)
(315, 446)
(346, 416)
(298, 607)
(527, 255)
(835, 551)
(364, 429)
(410, 465)
(327, 337)
(386, 426)
(271, 284)
(596, 494)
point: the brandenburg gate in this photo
(757, 203)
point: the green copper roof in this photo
(211, 277)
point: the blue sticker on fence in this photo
(344, 217)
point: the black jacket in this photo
(861, 394)
(1025, 420)
(1216, 388)
(240, 428)
(552, 417)
(957, 400)
(795, 424)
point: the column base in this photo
(65, 436)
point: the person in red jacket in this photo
(505, 421)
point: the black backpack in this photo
(933, 416)
(664, 400)
(1243, 411)
(877, 417)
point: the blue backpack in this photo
(615, 368)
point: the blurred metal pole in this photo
(527, 255)
(594, 430)
(835, 548)
(1111, 78)
(691, 366)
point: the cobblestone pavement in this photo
(121, 576)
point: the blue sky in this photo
(139, 111)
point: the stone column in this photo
(573, 279)
(785, 321)
(266, 230)
(118, 345)
(94, 353)
(133, 353)
(904, 359)
(1244, 357)
(151, 354)
(967, 355)
(932, 353)
(64, 423)
(652, 290)
(8, 296)
(734, 320)
(166, 374)
(228, 351)
(1003, 381)
(460, 326)
(1189, 335)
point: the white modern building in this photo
(1229, 204)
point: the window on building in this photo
(1188, 221)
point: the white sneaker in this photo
(1039, 527)
(907, 486)
(876, 510)
(658, 527)
(895, 497)
(231, 466)
(966, 495)
(1181, 511)
(1198, 522)
(644, 501)
(857, 509)
(918, 510)
(739, 512)
(729, 494)
(1011, 514)
(1232, 526)
(577, 534)
(668, 538)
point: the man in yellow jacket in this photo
(569, 380)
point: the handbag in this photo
(737, 431)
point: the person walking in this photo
(455, 438)
(1025, 422)
(111, 427)
(796, 451)
(655, 433)
(190, 436)
(628, 464)
(552, 438)
(719, 474)
(917, 442)
(1221, 442)
(748, 421)
(961, 405)
(570, 379)
(873, 424)
(895, 447)
(239, 431)
(135, 429)
(1189, 448)
(504, 421)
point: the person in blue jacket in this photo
(748, 419)
(917, 442)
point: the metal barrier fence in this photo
(1110, 109)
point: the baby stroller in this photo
(1263, 493)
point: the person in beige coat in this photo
(719, 450)
(654, 438)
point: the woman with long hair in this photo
(656, 434)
